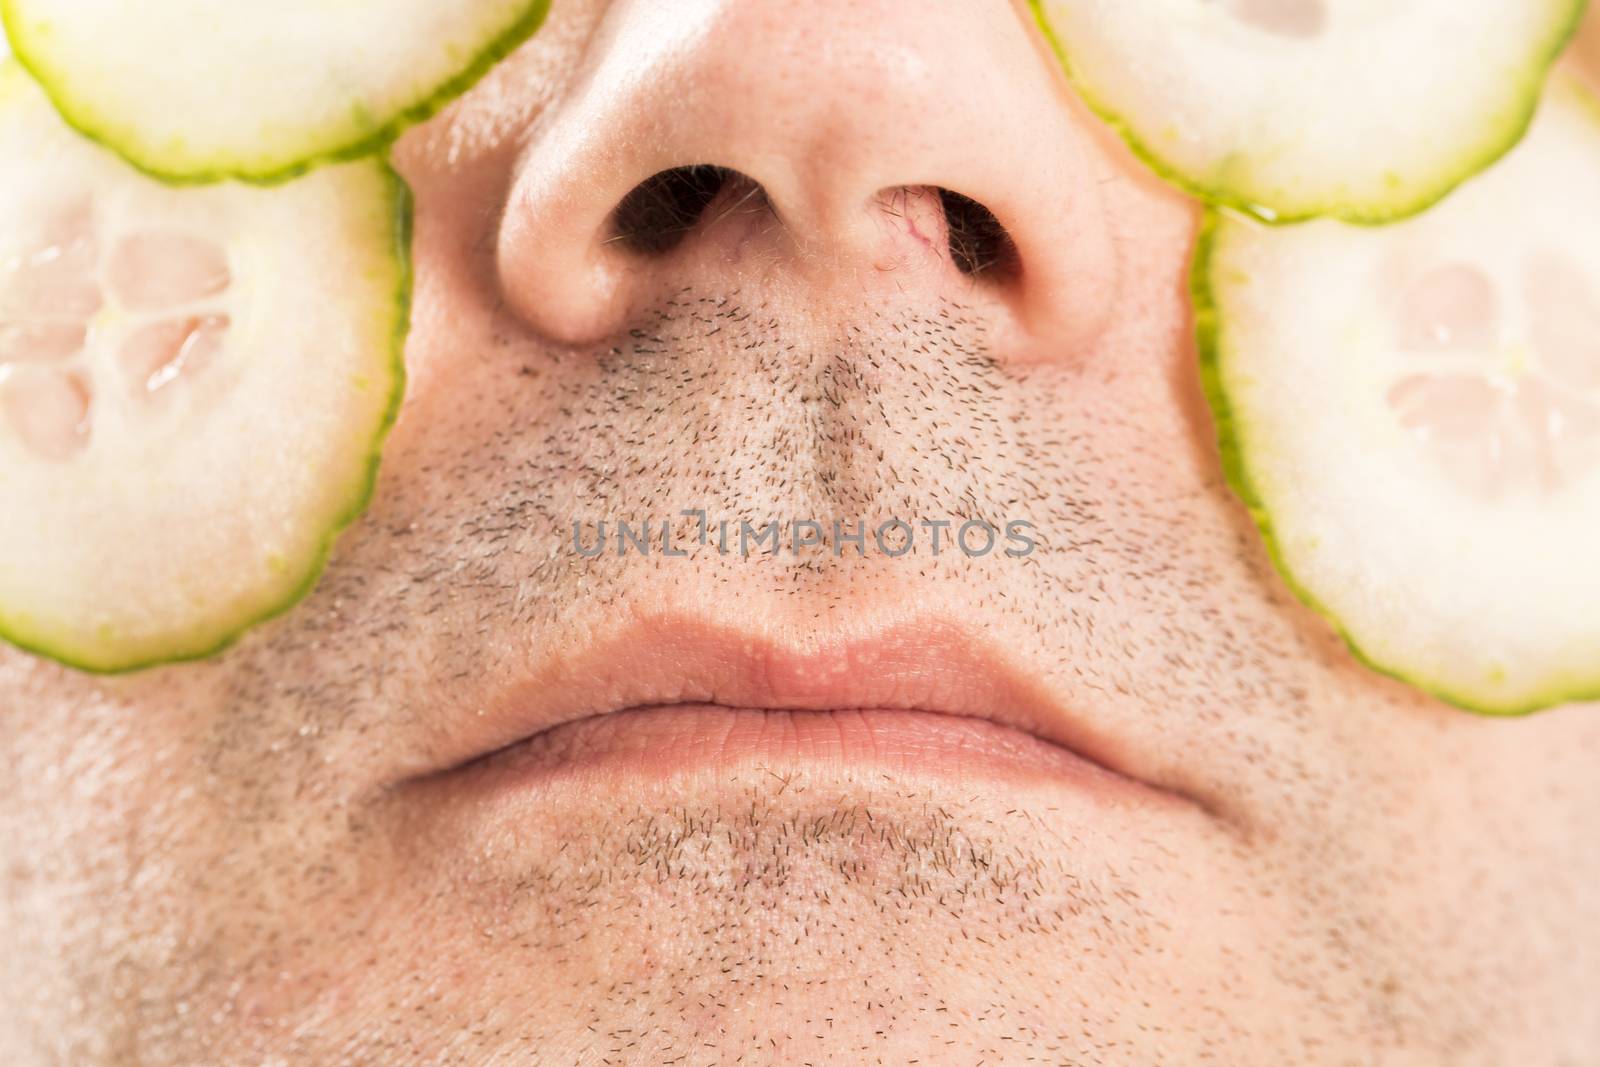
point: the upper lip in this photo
(916, 665)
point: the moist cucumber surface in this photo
(1363, 110)
(197, 90)
(1412, 414)
(194, 385)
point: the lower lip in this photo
(670, 741)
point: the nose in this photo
(918, 151)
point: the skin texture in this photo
(234, 862)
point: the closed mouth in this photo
(674, 694)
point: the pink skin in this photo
(1232, 843)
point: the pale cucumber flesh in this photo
(1364, 110)
(1412, 414)
(194, 386)
(195, 90)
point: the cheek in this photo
(79, 746)
(1125, 417)
(457, 312)
(100, 838)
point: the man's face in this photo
(1115, 800)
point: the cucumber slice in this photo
(196, 90)
(194, 385)
(1364, 110)
(1412, 414)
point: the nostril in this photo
(659, 211)
(980, 246)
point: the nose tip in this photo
(846, 146)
